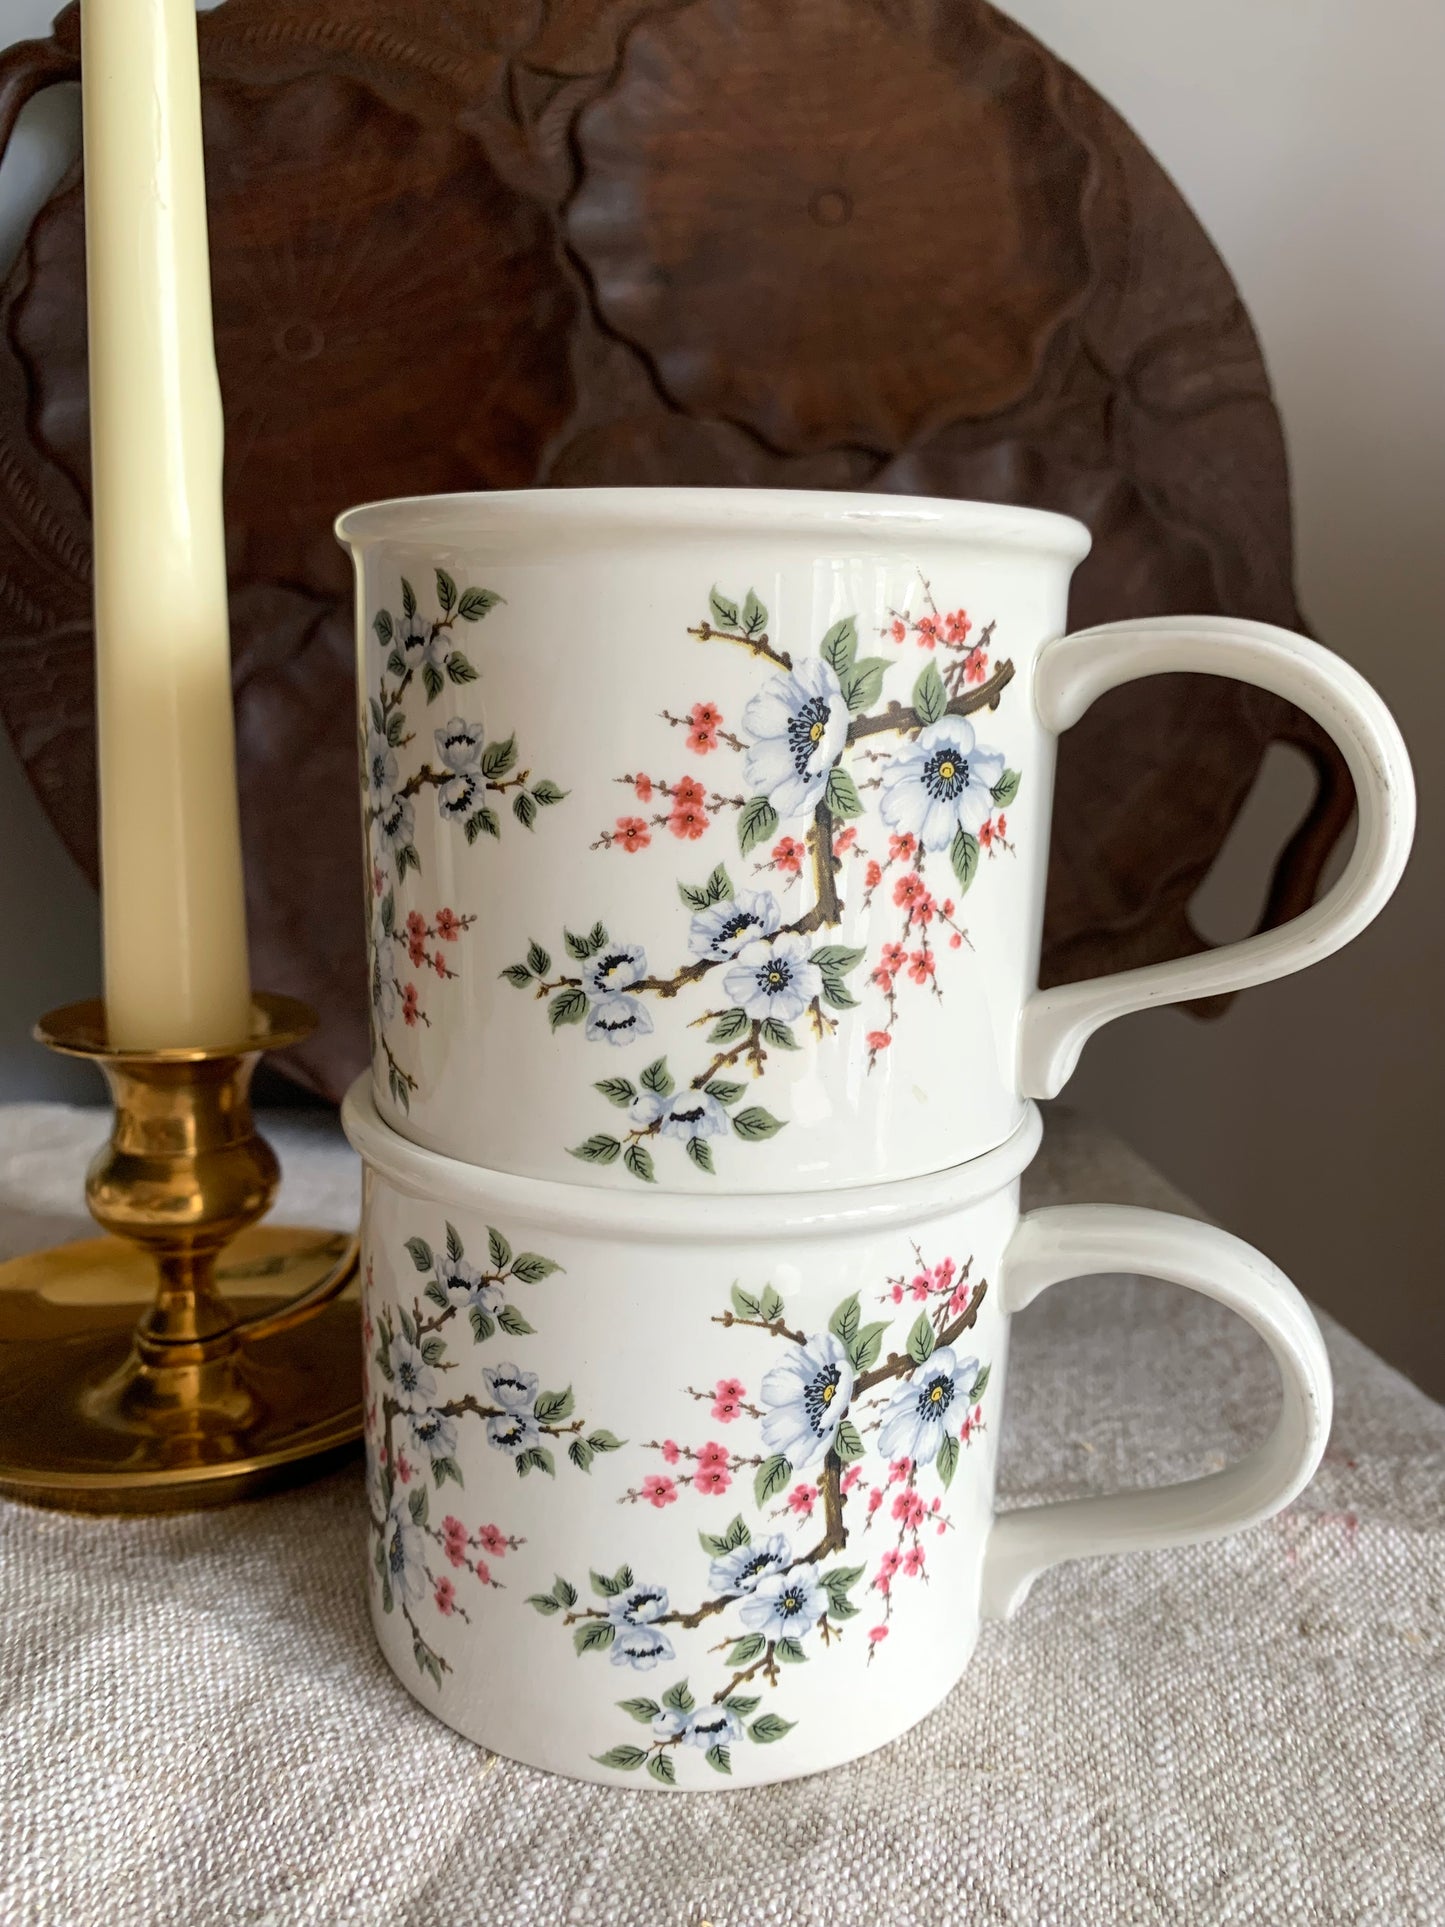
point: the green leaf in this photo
(720, 1758)
(446, 592)
(755, 616)
(418, 1504)
(770, 1304)
(641, 1710)
(432, 681)
(482, 1324)
(408, 1326)
(617, 1090)
(597, 936)
(847, 1443)
(755, 1123)
(531, 1267)
(842, 795)
(604, 1441)
(498, 1250)
(543, 1602)
(1006, 788)
(920, 1340)
(790, 1652)
(701, 896)
(658, 1078)
(638, 1160)
(476, 603)
(723, 1091)
(736, 1535)
(536, 1459)
(437, 1293)
(444, 1469)
(947, 1460)
(598, 1149)
(518, 974)
(837, 993)
(609, 1585)
(743, 1703)
(846, 1319)
(459, 668)
(421, 1253)
(980, 1384)
(773, 1475)
(381, 623)
(547, 792)
(388, 912)
(623, 1757)
(837, 958)
(678, 1699)
(864, 1350)
(963, 855)
(745, 1650)
(407, 859)
(396, 662)
(564, 1593)
(513, 1323)
(497, 758)
(777, 1034)
(662, 1768)
(756, 821)
(840, 645)
(538, 959)
(930, 698)
(395, 727)
(768, 1727)
(580, 1453)
(577, 947)
(700, 1151)
(729, 1027)
(724, 612)
(433, 1348)
(408, 599)
(455, 1248)
(863, 683)
(524, 809)
(552, 1407)
(481, 821)
(841, 1578)
(744, 1304)
(567, 1007)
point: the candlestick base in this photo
(196, 1357)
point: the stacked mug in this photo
(706, 842)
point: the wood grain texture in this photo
(878, 244)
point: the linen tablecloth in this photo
(197, 1729)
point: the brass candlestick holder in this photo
(193, 1356)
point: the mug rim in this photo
(737, 1217)
(876, 520)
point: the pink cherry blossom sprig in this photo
(689, 812)
(704, 726)
(727, 1400)
(944, 1287)
(474, 1550)
(713, 1469)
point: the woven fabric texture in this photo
(197, 1728)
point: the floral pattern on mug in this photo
(814, 741)
(412, 1426)
(464, 772)
(877, 1438)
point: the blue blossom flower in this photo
(641, 1647)
(940, 783)
(637, 1605)
(461, 794)
(396, 822)
(797, 724)
(380, 766)
(926, 1407)
(618, 1020)
(513, 1432)
(785, 1606)
(434, 1435)
(775, 978)
(456, 1274)
(739, 1571)
(668, 1723)
(459, 745)
(404, 1549)
(615, 967)
(413, 1381)
(713, 1726)
(808, 1396)
(686, 1114)
(424, 642)
(510, 1388)
(723, 929)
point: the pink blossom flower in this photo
(872, 876)
(929, 631)
(909, 1507)
(643, 786)
(890, 1562)
(909, 890)
(899, 1470)
(409, 1009)
(730, 1388)
(898, 629)
(493, 1540)
(958, 625)
(688, 794)
(921, 966)
(445, 1595)
(851, 1477)
(659, 1490)
(671, 1451)
(959, 1301)
(403, 1468)
(484, 1572)
(913, 1561)
(802, 1499)
(449, 925)
(788, 855)
(878, 1040)
(876, 1634)
(453, 1529)
(689, 822)
(975, 665)
(415, 924)
(713, 1480)
(633, 833)
(875, 1499)
(844, 840)
(896, 1293)
(955, 942)
(900, 846)
(713, 1454)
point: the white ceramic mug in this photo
(704, 821)
(657, 1484)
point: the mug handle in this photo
(1083, 1240)
(1071, 672)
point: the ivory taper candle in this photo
(171, 880)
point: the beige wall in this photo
(1308, 136)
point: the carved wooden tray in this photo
(878, 244)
